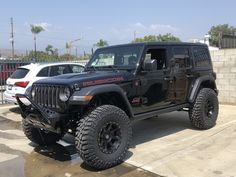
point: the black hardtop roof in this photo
(158, 44)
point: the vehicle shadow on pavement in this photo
(158, 127)
(143, 131)
(15, 110)
(65, 154)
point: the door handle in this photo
(189, 75)
(168, 78)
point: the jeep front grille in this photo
(47, 96)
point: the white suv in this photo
(25, 76)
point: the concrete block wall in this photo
(224, 63)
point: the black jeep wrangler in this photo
(120, 84)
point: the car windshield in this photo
(125, 57)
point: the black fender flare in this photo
(100, 89)
(196, 86)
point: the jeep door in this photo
(156, 84)
(180, 72)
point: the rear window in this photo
(201, 57)
(19, 73)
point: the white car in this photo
(25, 76)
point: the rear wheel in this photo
(204, 112)
(38, 135)
(103, 137)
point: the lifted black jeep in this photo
(120, 84)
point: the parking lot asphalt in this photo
(165, 146)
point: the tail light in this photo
(22, 84)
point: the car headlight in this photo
(64, 94)
(33, 92)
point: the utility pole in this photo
(76, 52)
(69, 44)
(134, 36)
(12, 39)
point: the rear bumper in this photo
(38, 116)
(9, 98)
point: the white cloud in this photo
(152, 29)
(44, 25)
(138, 25)
(127, 33)
(89, 28)
(160, 27)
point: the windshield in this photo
(118, 57)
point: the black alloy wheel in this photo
(109, 138)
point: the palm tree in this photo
(49, 48)
(101, 43)
(36, 30)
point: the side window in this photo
(159, 55)
(129, 59)
(201, 57)
(76, 68)
(65, 69)
(60, 69)
(43, 72)
(183, 51)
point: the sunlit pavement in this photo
(165, 146)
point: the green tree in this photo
(101, 43)
(216, 31)
(149, 38)
(36, 30)
(167, 38)
(159, 38)
(49, 49)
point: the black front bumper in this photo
(39, 116)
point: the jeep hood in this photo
(90, 78)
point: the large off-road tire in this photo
(39, 136)
(103, 137)
(203, 114)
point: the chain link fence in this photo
(7, 67)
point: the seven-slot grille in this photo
(47, 95)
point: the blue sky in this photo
(112, 20)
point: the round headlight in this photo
(64, 94)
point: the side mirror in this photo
(150, 65)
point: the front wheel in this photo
(103, 137)
(204, 112)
